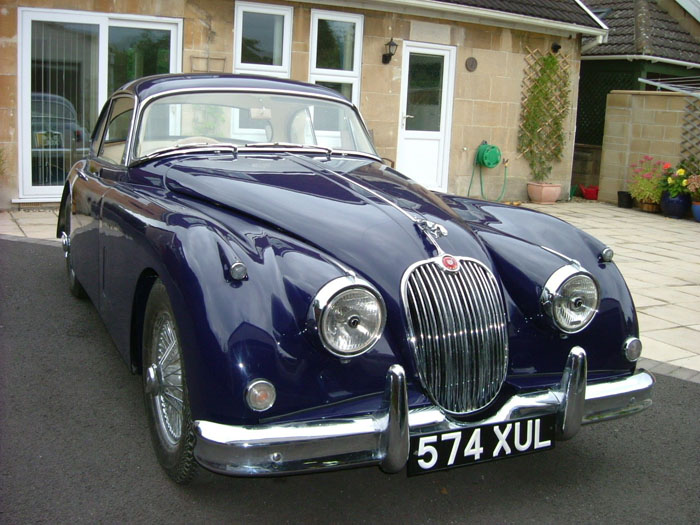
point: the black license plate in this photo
(454, 448)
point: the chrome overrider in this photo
(383, 438)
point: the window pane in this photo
(424, 99)
(136, 53)
(341, 87)
(335, 46)
(114, 142)
(64, 97)
(262, 39)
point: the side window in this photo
(263, 39)
(115, 137)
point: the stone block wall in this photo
(638, 123)
(486, 103)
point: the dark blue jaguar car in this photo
(295, 305)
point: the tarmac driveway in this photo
(74, 445)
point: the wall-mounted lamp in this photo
(556, 47)
(390, 51)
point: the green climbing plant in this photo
(544, 109)
(2, 162)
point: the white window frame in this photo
(281, 71)
(353, 76)
(27, 15)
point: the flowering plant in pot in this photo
(645, 187)
(694, 190)
(675, 197)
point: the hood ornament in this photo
(431, 228)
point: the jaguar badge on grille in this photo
(450, 263)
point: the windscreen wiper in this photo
(283, 146)
(183, 148)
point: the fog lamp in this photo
(260, 395)
(632, 348)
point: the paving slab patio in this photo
(659, 257)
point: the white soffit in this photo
(474, 15)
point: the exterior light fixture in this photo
(390, 51)
(556, 46)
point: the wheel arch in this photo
(61, 224)
(138, 309)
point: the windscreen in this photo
(241, 118)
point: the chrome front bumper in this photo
(382, 438)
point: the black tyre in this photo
(73, 284)
(165, 389)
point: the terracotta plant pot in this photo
(651, 207)
(543, 192)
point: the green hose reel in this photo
(488, 156)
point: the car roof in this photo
(146, 87)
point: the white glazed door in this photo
(425, 122)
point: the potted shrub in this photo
(542, 116)
(694, 189)
(645, 187)
(675, 197)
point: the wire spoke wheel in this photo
(165, 388)
(73, 284)
(168, 397)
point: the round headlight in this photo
(570, 298)
(350, 318)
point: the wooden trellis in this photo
(690, 134)
(545, 143)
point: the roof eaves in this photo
(480, 15)
(650, 58)
(592, 15)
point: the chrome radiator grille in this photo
(458, 329)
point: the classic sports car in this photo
(295, 305)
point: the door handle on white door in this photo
(408, 116)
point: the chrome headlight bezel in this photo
(318, 312)
(552, 291)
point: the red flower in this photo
(667, 165)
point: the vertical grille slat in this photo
(459, 338)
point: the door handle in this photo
(408, 116)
